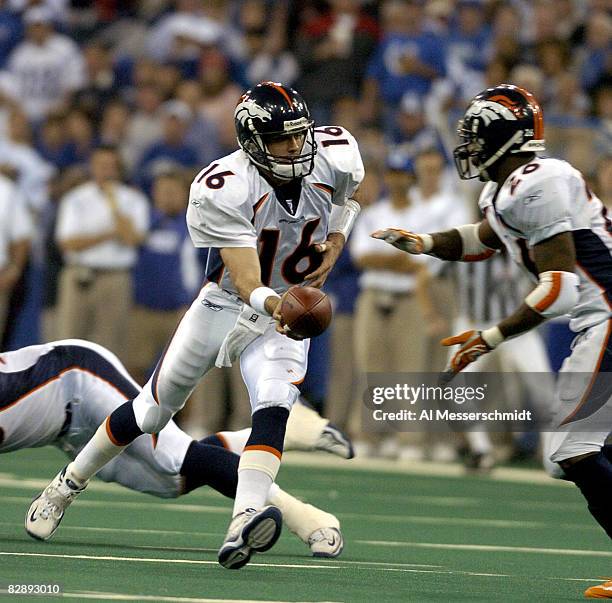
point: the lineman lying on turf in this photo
(59, 393)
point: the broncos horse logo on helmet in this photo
(266, 112)
(500, 121)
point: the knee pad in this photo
(150, 417)
(275, 392)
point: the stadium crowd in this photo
(108, 109)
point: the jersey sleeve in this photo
(541, 209)
(221, 217)
(341, 152)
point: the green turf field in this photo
(410, 536)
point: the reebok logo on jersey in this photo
(211, 306)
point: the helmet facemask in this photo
(288, 167)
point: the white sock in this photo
(96, 453)
(234, 441)
(256, 472)
(252, 490)
(301, 518)
(479, 442)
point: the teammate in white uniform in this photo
(543, 212)
(57, 394)
(275, 213)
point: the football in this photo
(306, 311)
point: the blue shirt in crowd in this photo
(159, 280)
(385, 67)
(342, 285)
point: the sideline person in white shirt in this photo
(99, 227)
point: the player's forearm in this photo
(521, 321)
(447, 245)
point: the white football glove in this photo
(405, 240)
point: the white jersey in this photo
(46, 73)
(232, 205)
(545, 198)
(38, 383)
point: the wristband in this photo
(492, 337)
(428, 242)
(258, 297)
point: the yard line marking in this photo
(92, 594)
(488, 547)
(122, 530)
(170, 506)
(427, 468)
(158, 560)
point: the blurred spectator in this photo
(145, 125)
(265, 54)
(219, 97)
(160, 292)
(100, 85)
(82, 132)
(413, 134)
(469, 46)
(201, 132)
(408, 59)
(333, 51)
(48, 67)
(54, 144)
(441, 208)
(603, 116)
(343, 391)
(11, 31)
(100, 226)
(171, 151)
(564, 101)
(388, 307)
(16, 232)
(182, 34)
(114, 122)
(603, 181)
(595, 57)
(507, 35)
(29, 170)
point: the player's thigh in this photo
(272, 367)
(150, 464)
(584, 396)
(192, 351)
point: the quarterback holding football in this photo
(273, 214)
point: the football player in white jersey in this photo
(552, 225)
(57, 394)
(274, 213)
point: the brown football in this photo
(306, 311)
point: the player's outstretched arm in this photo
(245, 271)
(555, 295)
(467, 243)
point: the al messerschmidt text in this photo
(447, 415)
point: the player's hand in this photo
(473, 346)
(330, 251)
(402, 239)
(280, 327)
